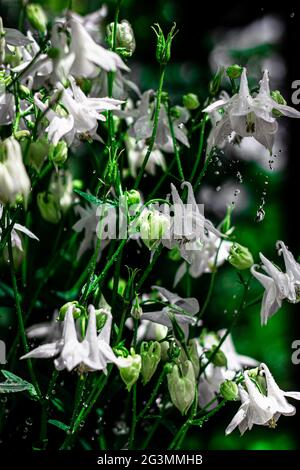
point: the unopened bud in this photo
(24, 92)
(37, 17)
(133, 197)
(240, 257)
(37, 153)
(163, 46)
(234, 71)
(49, 207)
(181, 385)
(229, 390)
(58, 154)
(125, 41)
(191, 101)
(151, 355)
(78, 310)
(152, 226)
(217, 358)
(130, 374)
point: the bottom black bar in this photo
(138, 459)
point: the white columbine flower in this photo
(90, 354)
(188, 224)
(278, 285)
(83, 117)
(202, 256)
(184, 310)
(14, 181)
(90, 56)
(137, 150)
(214, 376)
(249, 116)
(261, 408)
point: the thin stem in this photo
(176, 151)
(20, 318)
(155, 126)
(80, 387)
(211, 284)
(204, 169)
(134, 417)
(200, 148)
(153, 395)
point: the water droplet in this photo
(292, 15)
(120, 428)
(218, 188)
(217, 172)
(236, 192)
(260, 215)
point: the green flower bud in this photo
(24, 92)
(229, 390)
(215, 83)
(37, 17)
(151, 354)
(23, 134)
(163, 46)
(174, 351)
(130, 374)
(234, 71)
(125, 41)
(136, 311)
(217, 359)
(181, 385)
(190, 101)
(78, 310)
(58, 154)
(152, 226)
(278, 98)
(49, 207)
(240, 257)
(133, 197)
(37, 153)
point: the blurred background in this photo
(263, 188)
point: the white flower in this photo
(14, 180)
(214, 376)
(257, 408)
(90, 56)
(16, 240)
(90, 354)
(278, 285)
(136, 152)
(202, 256)
(249, 116)
(183, 310)
(142, 124)
(15, 38)
(92, 21)
(83, 117)
(188, 224)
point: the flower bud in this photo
(133, 197)
(24, 92)
(240, 257)
(181, 385)
(37, 17)
(163, 45)
(14, 181)
(152, 226)
(215, 83)
(278, 98)
(150, 354)
(125, 41)
(130, 374)
(229, 390)
(234, 71)
(78, 310)
(37, 153)
(190, 101)
(49, 207)
(217, 359)
(58, 154)
(136, 310)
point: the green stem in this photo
(176, 151)
(134, 417)
(20, 319)
(155, 126)
(200, 148)
(204, 169)
(211, 284)
(80, 387)
(179, 436)
(152, 396)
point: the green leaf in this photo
(7, 387)
(59, 424)
(13, 379)
(89, 197)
